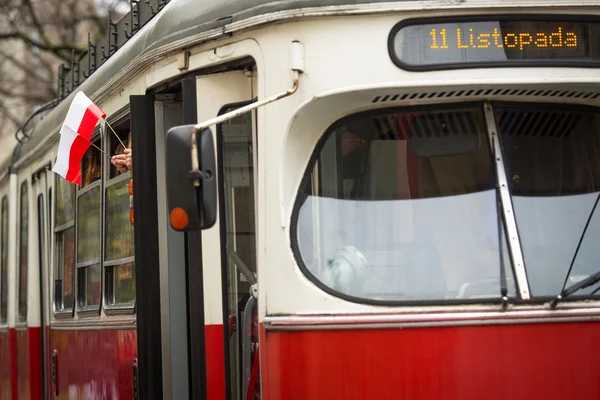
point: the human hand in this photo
(120, 162)
(128, 158)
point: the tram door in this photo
(229, 248)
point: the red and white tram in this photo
(331, 200)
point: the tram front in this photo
(437, 211)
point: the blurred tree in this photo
(35, 37)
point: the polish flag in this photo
(71, 149)
(75, 135)
(83, 115)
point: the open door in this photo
(229, 247)
(148, 370)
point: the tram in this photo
(329, 199)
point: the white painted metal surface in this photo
(346, 68)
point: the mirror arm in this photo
(297, 63)
(235, 113)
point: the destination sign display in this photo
(502, 41)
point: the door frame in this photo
(216, 93)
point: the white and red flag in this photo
(83, 115)
(75, 135)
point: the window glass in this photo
(401, 206)
(90, 286)
(4, 262)
(89, 231)
(553, 168)
(23, 245)
(119, 231)
(65, 244)
(65, 202)
(237, 158)
(65, 267)
(89, 227)
(92, 167)
(123, 280)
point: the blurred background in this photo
(36, 36)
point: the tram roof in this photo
(179, 19)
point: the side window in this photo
(119, 264)
(4, 261)
(64, 237)
(89, 200)
(23, 247)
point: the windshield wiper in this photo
(590, 280)
(503, 279)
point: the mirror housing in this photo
(190, 207)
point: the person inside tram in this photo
(91, 167)
(122, 158)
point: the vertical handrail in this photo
(247, 343)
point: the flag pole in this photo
(111, 128)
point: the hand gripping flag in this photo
(75, 135)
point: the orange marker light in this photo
(131, 201)
(179, 218)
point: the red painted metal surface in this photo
(215, 362)
(95, 363)
(13, 361)
(48, 357)
(28, 371)
(35, 363)
(23, 385)
(5, 363)
(536, 361)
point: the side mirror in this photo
(191, 207)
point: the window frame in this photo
(81, 268)
(308, 180)
(4, 248)
(20, 319)
(499, 105)
(109, 305)
(108, 292)
(58, 269)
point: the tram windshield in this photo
(401, 205)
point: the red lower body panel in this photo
(48, 357)
(35, 363)
(95, 363)
(28, 357)
(23, 373)
(215, 362)
(5, 365)
(536, 361)
(13, 361)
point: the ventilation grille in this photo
(455, 123)
(478, 93)
(551, 122)
(555, 123)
